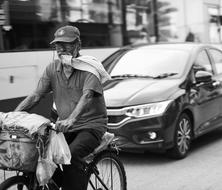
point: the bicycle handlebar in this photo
(51, 126)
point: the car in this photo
(162, 96)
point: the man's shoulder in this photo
(56, 62)
(54, 65)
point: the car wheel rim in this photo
(183, 135)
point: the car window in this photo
(152, 62)
(204, 61)
(217, 58)
(107, 63)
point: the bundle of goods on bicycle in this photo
(24, 147)
(29, 124)
(18, 140)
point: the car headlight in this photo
(146, 110)
(54, 106)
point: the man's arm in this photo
(84, 103)
(28, 103)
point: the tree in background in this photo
(151, 16)
(159, 16)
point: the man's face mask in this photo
(66, 59)
(66, 51)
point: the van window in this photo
(204, 61)
(217, 58)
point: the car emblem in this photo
(61, 32)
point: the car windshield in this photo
(151, 63)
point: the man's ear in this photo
(78, 47)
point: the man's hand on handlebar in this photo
(64, 125)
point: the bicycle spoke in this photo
(108, 172)
(111, 174)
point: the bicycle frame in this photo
(91, 169)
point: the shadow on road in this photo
(145, 158)
(208, 139)
(199, 144)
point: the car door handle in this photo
(216, 83)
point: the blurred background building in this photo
(30, 24)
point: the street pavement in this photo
(201, 170)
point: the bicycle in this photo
(103, 167)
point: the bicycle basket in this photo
(17, 151)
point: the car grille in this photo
(116, 118)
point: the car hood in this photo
(127, 92)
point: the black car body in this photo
(164, 95)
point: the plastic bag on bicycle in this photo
(57, 152)
(58, 149)
(45, 170)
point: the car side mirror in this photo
(197, 67)
(203, 76)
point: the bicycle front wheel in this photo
(108, 174)
(15, 183)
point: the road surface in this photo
(201, 170)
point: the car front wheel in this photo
(182, 138)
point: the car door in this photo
(206, 109)
(216, 56)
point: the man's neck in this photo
(68, 70)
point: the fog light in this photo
(152, 135)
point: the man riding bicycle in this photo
(78, 95)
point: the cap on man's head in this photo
(66, 34)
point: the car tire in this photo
(182, 138)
